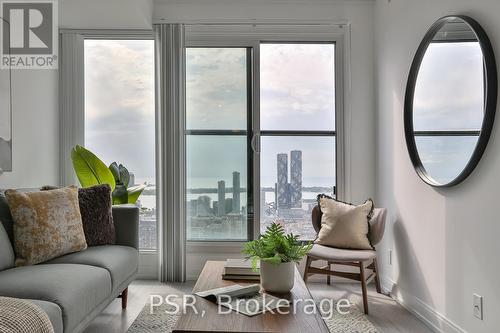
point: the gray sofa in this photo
(75, 288)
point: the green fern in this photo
(275, 247)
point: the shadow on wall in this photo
(409, 270)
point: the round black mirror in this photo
(450, 100)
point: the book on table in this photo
(248, 300)
(240, 269)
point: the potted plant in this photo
(91, 171)
(277, 253)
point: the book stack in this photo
(239, 269)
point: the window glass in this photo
(294, 170)
(120, 116)
(216, 88)
(217, 159)
(297, 86)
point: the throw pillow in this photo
(344, 225)
(47, 224)
(97, 215)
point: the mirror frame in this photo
(490, 70)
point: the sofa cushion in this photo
(47, 224)
(5, 216)
(97, 217)
(76, 289)
(53, 311)
(6, 251)
(121, 261)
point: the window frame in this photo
(251, 36)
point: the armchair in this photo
(362, 259)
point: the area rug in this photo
(160, 321)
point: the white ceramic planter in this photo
(277, 278)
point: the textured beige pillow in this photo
(47, 224)
(343, 225)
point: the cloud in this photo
(449, 89)
(119, 103)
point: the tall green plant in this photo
(91, 171)
(275, 247)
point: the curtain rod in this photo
(251, 22)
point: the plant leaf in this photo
(120, 194)
(134, 192)
(124, 175)
(113, 167)
(89, 169)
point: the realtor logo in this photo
(29, 34)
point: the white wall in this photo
(445, 241)
(105, 14)
(35, 128)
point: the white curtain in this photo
(170, 93)
(71, 102)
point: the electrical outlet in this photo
(389, 257)
(477, 302)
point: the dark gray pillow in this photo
(97, 216)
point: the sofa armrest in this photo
(126, 219)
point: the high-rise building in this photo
(203, 206)
(221, 193)
(229, 205)
(282, 183)
(296, 178)
(236, 193)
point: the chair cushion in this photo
(6, 251)
(121, 261)
(53, 311)
(333, 254)
(76, 289)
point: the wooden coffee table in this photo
(211, 321)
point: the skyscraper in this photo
(236, 192)
(221, 193)
(282, 183)
(296, 178)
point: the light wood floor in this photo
(385, 313)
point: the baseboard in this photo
(433, 319)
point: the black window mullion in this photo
(297, 133)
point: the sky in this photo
(119, 104)
(296, 93)
(449, 88)
(448, 96)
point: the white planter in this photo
(277, 278)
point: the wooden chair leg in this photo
(308, 263)
(328, 277)
(124, 297)
(363, 286)
(377, 277)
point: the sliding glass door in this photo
(297, 127)
(288, 127)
